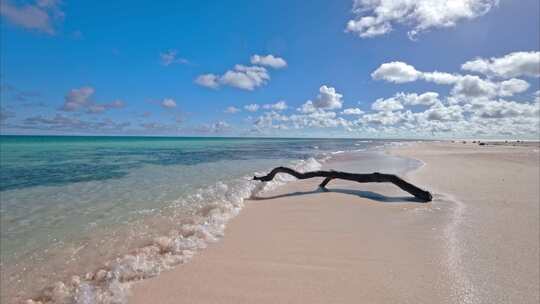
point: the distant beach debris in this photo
(376, 177)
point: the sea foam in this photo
(212, 208)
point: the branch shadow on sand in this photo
(374, 196)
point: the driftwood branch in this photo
(361, 178)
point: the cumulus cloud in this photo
(232, 110)
(440, 112)
(243, 77)
(352, 111)
(278, 106)
(505, 109)
(39, 16)
(397, 72)
(399, 115)
(217, 127)
(251, 107)
(81, 99)
(319, 118)
(269, 60)
(515, 64)
(425, 99)
(78, 98)
(170, 57)
(474, 86)
(327, 99)
(377, 17)
(401, 72)
(387, 105)
(512, 86)
(208, 80)
(168, 103)
(440, 77)
(474, 106)
(383, 118)
(464, 86)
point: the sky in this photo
(363, 68)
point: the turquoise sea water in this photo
(68, 204)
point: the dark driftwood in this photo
(361, 178)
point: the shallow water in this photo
(132, 206)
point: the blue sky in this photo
(123, 68)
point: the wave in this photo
(212, 208)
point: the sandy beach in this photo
(477, 242)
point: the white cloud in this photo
(384, 118)
(82, 99)
(513, 86)
(377, 17)
(269, 60)
(439, 112)
(396, 71)
(425, 99)
(327, 99)
(505, 109)
(208, 80)
(168, 103)
(78, 98)
(170, 57)
(464, 86)
(474, 86)
(477, 117)
(251, 107)
(232, 110)
(243, 77)
(307, 107)
(217, 127)
(352, 111)
(440, 77)
(278, 106)
(511, 65)
(39, 16)
(387, 105)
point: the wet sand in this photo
(477, 242)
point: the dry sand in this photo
(478, 242)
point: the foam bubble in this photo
(212, 208)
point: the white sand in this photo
(479, 245)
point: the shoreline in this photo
(109, 280)
(414, 250)
(481, 183)
(368, 236)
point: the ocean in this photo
(85, 216)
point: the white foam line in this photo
(112, 282)
(463, 289)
